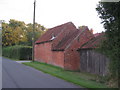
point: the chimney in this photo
(91, 30)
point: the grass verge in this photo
(83, 79)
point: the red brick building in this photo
(59, 45)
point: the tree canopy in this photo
(17, 32)
(110, 14)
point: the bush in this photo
(18, 52)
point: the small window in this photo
(53, 36)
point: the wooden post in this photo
(33, 37)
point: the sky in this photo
(51, 13)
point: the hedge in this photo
(18, 52)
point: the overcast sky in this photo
(51, 13)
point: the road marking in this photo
(22, 61)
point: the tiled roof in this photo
(62, 36)
(66, 39)
(94, 42)
(56, 31)
(61, 45)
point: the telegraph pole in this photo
(33, 37)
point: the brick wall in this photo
(44, 54)
(72, 60)
(58, 58)
(72, 57)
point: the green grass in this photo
(83, 79)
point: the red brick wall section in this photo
(72, 57)
(58, 58)
(72, 60)
(44, 54)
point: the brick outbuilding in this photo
(59, 45)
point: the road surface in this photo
(16, 75)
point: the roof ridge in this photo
(62, 25)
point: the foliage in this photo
(13, 33)
(17, 32)
(110, 14)
(39, 30)
(18, 52)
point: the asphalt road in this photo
(16, 75)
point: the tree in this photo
(39, 30)
(17, 32)
(13, 32)
(110, 14)
(6, 35)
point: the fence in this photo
(93, 62)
